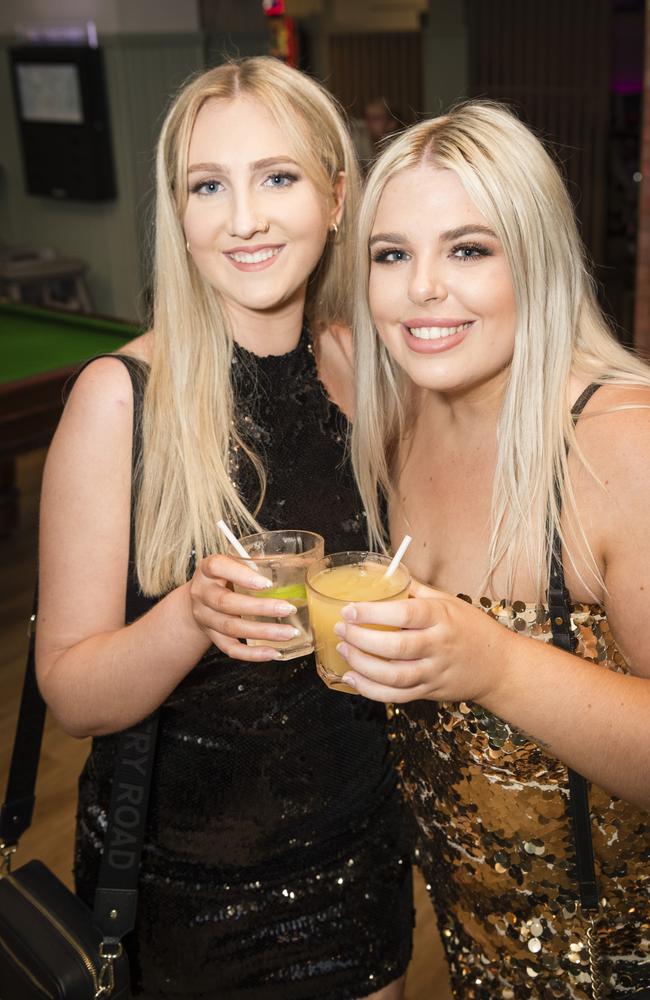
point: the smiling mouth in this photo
(253, 257)
(437, 332)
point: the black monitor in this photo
(62, 110)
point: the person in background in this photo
(381, 120)
(502, 421)
(276, 862)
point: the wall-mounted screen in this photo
(49, 93)
(62, 115)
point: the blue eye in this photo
(389, 256)
(206, 187)
(280, 179)
(470, 251)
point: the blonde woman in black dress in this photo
(276, 864)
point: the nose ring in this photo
(263, 227)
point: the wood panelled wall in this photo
(550, 60)
(365, 66)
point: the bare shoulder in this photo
(140, 347)
(334, 357)
(103, 385)
(614, 430)
(614, 437)
(88, 465)
(338, 339)
(105, 382)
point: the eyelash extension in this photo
(478, 248)
(381, 256)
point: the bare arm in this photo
(97, 674)
(597, 721)
(592, 719)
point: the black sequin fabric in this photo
(277, 861)
(497, 847)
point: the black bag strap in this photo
(116, 894)
(559, 607)
(18, 807)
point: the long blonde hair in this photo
(189, 423)
(560, 329)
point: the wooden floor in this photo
(51, 834)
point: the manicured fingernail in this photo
(342, 649)
(350, 680)
(285, 632)
(349, 612)
(282, 608)
(260, 584)
(339, 628)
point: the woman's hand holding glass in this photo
(218, 610)
(445, 649)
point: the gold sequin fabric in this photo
(496, 844)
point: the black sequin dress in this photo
(277, 859)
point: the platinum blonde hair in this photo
(189, 423)
(515, 184)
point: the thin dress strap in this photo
(584, 398)
(558, 596)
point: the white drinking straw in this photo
(397, 558)
(236, 544)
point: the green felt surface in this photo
(39, 340)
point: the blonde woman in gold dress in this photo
(478, 334)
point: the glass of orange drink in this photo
(336, 580)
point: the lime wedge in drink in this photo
(293, 592)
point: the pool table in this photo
(39, 350)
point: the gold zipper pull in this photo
(106, 977)
(5, 859)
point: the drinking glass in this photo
(283, 557)
(336, 580)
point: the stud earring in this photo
(334, 229)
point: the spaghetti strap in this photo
(584, 398)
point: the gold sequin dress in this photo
(496, 843)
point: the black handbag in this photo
(51, 944)
(559, 607)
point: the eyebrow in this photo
(446, 237)
(268, 161)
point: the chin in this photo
(435, 380)
(262, 303)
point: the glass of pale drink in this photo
(283, 557)
(335, 581)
